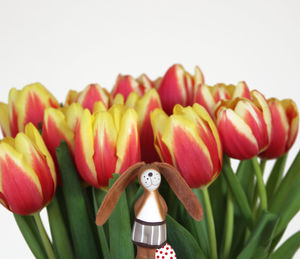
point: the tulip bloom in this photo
(127, 84)
(24, 106)
(89, 96)
(178, 87)
(209, 96)
(244, 125)
(285, 123)
(106, 142)
(27, 172)
(189, 140)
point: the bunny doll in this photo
(149, 229)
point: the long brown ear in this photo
(181, 189)
(112, 197)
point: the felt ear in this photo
(112, 197)
(181, 189)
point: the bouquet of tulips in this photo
(65, 157)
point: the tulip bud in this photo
(144, 106)
(285, 123)
(145, 83)
(209, 96)
(24, 106)
(177, 87)
(189, 140)
(244, 126)
(106, 142)
(27, 172)
(89, 96)
(125, 85)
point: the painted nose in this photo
(150, 174)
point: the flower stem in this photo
(210, 224)
(228, 230)
(260, 184)
(44, 236)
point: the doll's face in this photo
(150, 179)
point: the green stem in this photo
(262, 165)
(228, 230)
(210, 224)
(44, 236)
(61, 241)
(260, 184)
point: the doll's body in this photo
(149, 230)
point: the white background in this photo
(68, 44)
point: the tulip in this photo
(125, 85)
(209, 96)
(285, 123)
(106, 142)
(27, 172)
(145, 83)
(189, 140)
(87, 98)
(177, 87)
(24, 106)
(244, 125)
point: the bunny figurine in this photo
(149, 229)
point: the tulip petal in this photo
(84, 153)
(105, 147)
(190, 153)
(119, 99)
(4, 120)
(280, 130)
(117, 111)
(237, 138)
(158, 121)
(71, 96)
(241, 90)
(198, 76)
(12, 110)
(254, 119)
(220, 92)
(31, 103)
(125, 85)
(38, 163)
(99, 107)
(20, 189)
(128, 145)
(292, 114)
(204, 97)
(33, 134)
(131, 100)
(148, 103)
(172, 88)
(73, 115)
(91, 94)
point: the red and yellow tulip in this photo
(285, 123)
(209, 96)
(91, 94)
(244, 125)
(24, 106)
(106, 142)
(27, 172)
(189, 140)
(178, 87)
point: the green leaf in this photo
(59, 233)
(261, 237)
(288, 248)
(98, 196)
(217, 191)
(286, 200)
(121, 246)
(81, 230)
(31, 235)
(238, 192)
(182, 241)
(276, 175)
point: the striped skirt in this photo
(149, 234)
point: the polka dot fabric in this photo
(165, 252)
